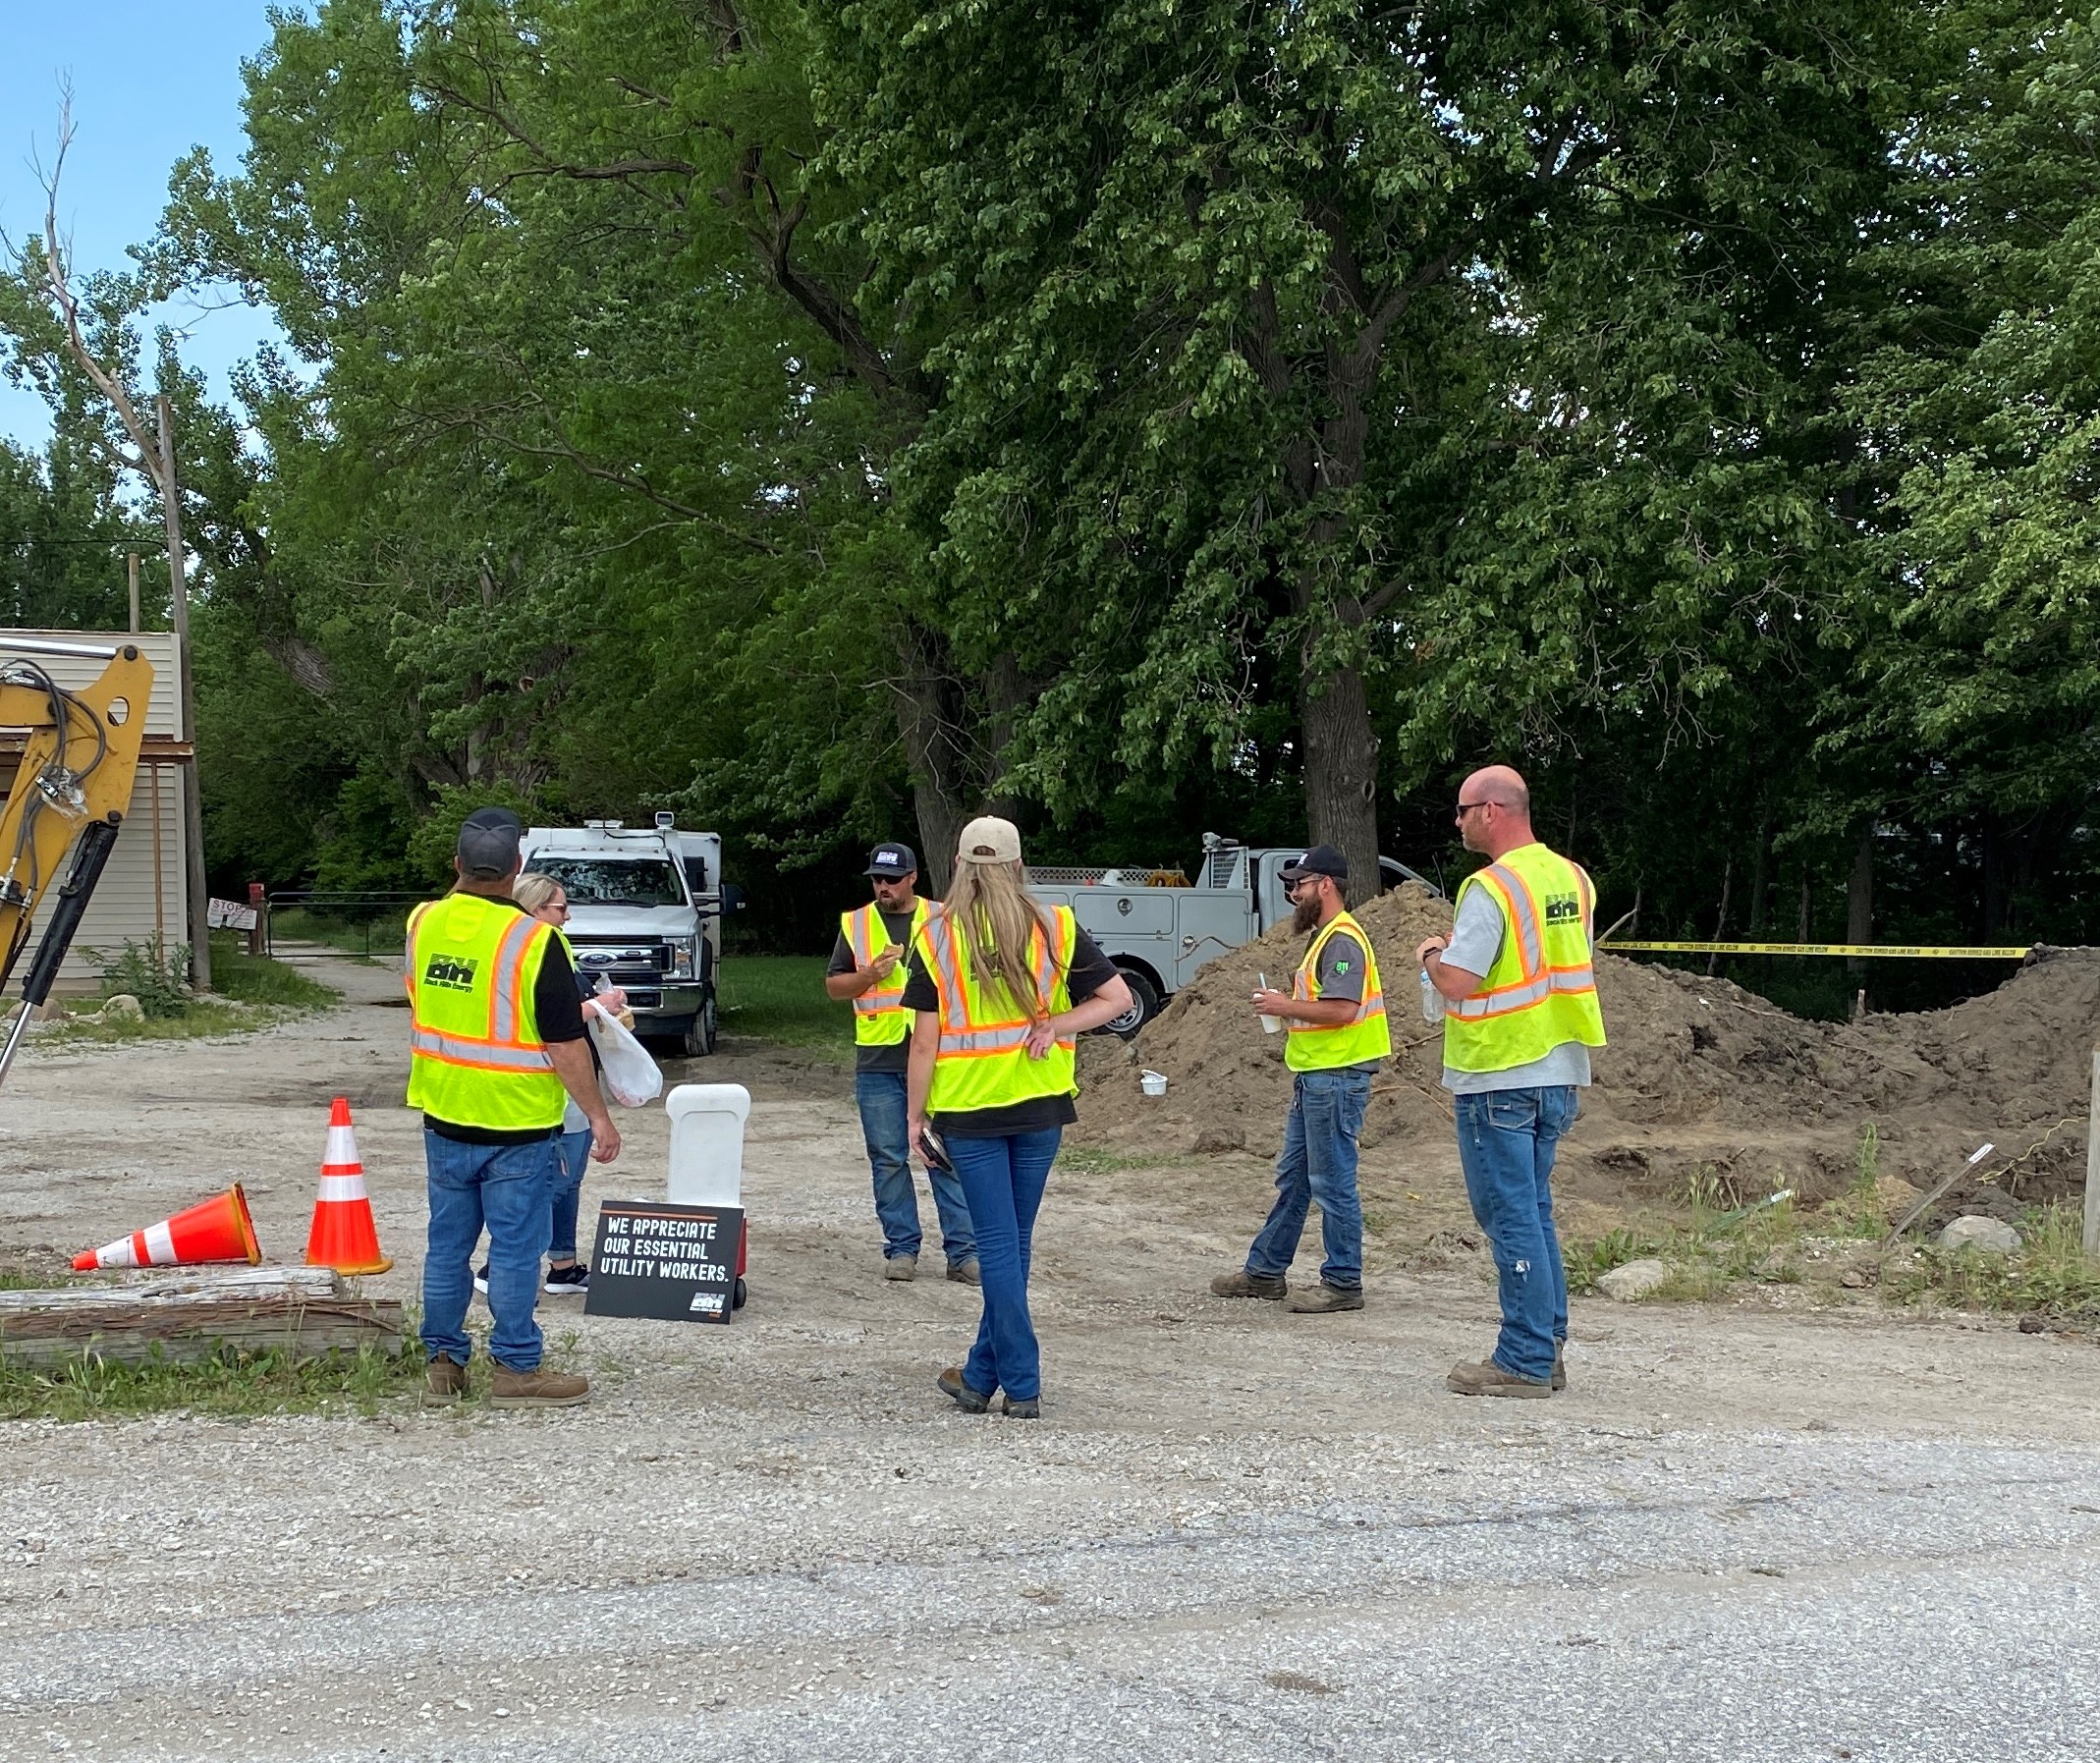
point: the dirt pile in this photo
(1698, 1073)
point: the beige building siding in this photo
(142, 890)
(129, 902)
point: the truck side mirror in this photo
(732, 898)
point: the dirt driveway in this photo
(1235, 1533)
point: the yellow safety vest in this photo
(477, 1058)
(1363, 1037)
(1542, 991)
(983, 1059)
(878, 1011)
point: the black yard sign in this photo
(675, 1264)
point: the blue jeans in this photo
(1004, 1180)
(505, 1188)
(1318, 1163)
(565, 1187)
(882, 1096)
(1507, 1138)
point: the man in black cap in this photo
(868, 968)
(497, 1051)
(1334, 1017)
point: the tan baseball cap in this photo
(989, 840)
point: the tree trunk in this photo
(1760, 876)
(946, 788)
(1342, 774)
(1860, 898)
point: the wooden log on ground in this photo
(158, 1284)
(133, 1327)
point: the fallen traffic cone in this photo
(213, 1230)
(344, 1236)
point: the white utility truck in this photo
(646, 910)
(1159, 928)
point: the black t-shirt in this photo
(897, 1058)
(558, 1008)
(1090, 971)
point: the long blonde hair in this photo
(993, 917)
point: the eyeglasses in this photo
(1467, 807)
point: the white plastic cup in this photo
(1271, 1024)
(1153, 1083)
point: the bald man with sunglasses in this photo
(1520, 1017)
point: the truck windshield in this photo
(613, 881)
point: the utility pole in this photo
(193, 797)
(132, 563)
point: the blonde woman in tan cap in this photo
(1001, 987)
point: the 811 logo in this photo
(452, 972)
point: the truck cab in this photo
(644, 915)
(1158, 928)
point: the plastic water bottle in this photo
(1432, 1000)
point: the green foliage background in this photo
(1142, 417)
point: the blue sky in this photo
(149, 81)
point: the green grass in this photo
(256, 979)
(250, 992)
(2048, 1275)
(382, 936)
(780, 998)
(244, 1384)
(1087, 1160)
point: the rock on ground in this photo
(1990, 1235)
(1635, 1279)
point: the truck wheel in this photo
(699, 1037)
(1144, 1005)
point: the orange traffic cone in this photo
(344, 1236)
(213, 1230)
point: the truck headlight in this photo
(682, 958)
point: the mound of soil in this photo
(1699, 1075)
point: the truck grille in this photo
(623, 962)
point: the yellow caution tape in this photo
(1909, 950)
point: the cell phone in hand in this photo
(933, 1150)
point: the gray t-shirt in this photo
(1476, 941)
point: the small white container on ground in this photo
(1153, 1083)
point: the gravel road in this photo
(1236, 1533)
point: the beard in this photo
(1306, 916)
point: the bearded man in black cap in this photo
(867, 968)
(1334, 1017)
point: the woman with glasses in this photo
(544, 899)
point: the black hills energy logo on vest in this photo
(456, 973)
(1564, 909)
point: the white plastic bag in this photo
(631, 1077)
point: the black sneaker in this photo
(481, 1280)
(573, 1280)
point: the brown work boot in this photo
(1324, 1297)
(445, 1381)
(1247, 1284)
(1490, 1379)
(900, 1267)
(541, 1389)
(952, 1386)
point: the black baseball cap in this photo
(488, 844)
(1321, 860)
(892, 861)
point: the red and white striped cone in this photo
(344, 1235)
(214, 1230)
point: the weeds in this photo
(251, 992)
(148, 972)
(90, 1388)
(2049, 1275)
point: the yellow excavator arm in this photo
(79, 757)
